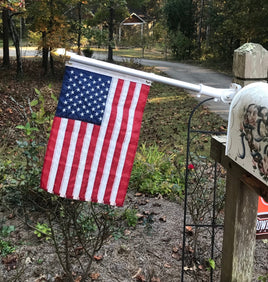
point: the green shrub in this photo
(131, 217)
(6, 230)
(6, 248)
(180, 45)
(42, 231)
(263, 278)
(21, 173)
(88, 52)
(154, 172)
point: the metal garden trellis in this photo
(212, 224)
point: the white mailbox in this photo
(247, 136)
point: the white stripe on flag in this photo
(69, 159)
(56, 155)
(101, 137)
(125, 145)
(82, 161)
(113, 142)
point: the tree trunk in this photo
(79, 27)
(44, 52)
(51, 7)
(5, 20)
(16, 41)
(52, 68)
(111, 32)
(190, 27)
(199, 36)
(210, 7)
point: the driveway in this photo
(25, 52)
(188, 73)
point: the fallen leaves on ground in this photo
(10, 261)
(94, 276)
(189, 230)
(98, 257)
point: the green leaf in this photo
(20, 126)
(54, 97)
(7, 229)
(34, 103)
(28, 126)
(212, 263)
(37, 91)
(41, 98)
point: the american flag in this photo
(94, 135)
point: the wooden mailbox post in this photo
(241, 203)
(244, 154)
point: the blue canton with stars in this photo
(83, 95)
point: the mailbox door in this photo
(247, 136)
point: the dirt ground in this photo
(149, 252)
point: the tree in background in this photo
(47, 18)
(11, 8)
(206, 28)
(181, 25)
(79, 16)
(234, 23)
(197, 29)
(5, 21)
(109, 13)
(158, 33)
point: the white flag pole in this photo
(224, 94)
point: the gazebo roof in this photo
(133, 19)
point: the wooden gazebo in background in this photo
(133, 20)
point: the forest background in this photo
(200, 30)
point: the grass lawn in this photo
(137, 53)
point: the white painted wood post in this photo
(250, 64)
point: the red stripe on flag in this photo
(119, 143)
(76, 159)
(132, 146)
(63, 157)
(50, 152)
(107, 140)
(91, 150)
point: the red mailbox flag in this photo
(94, 135)
(262, 219)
